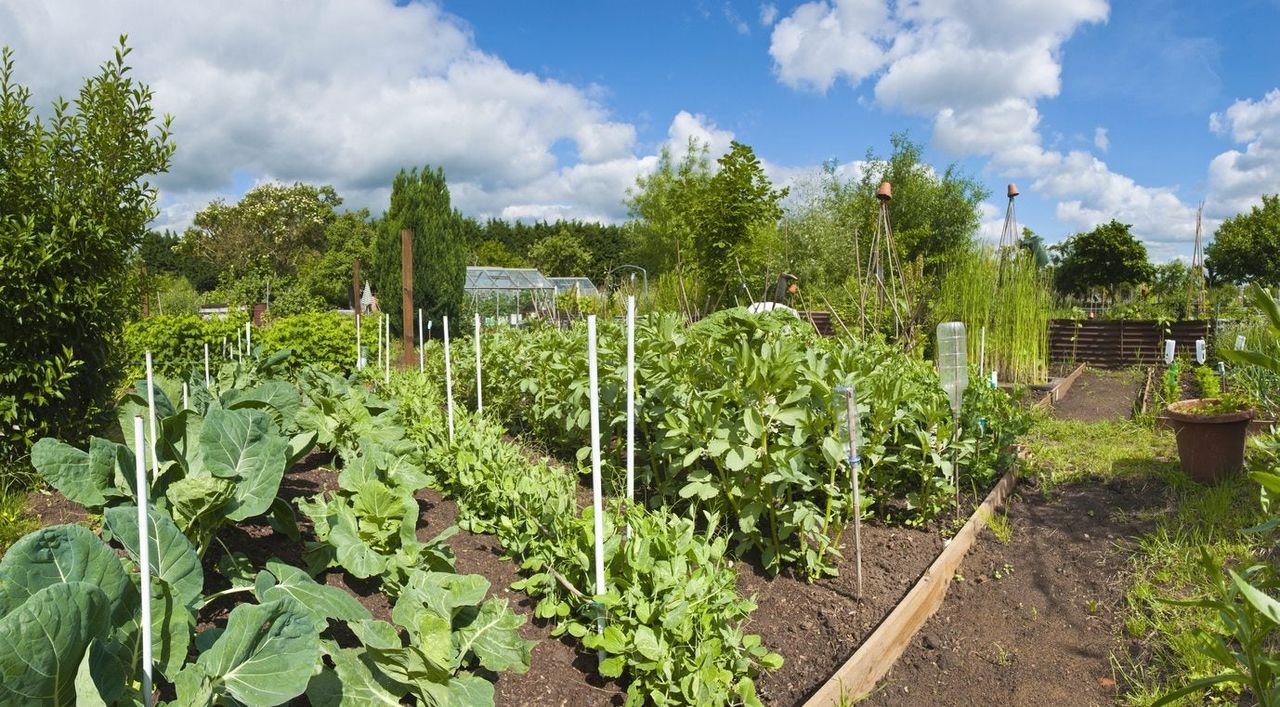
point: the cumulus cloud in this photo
(1238, 178)
(979, 67)
(346, 92)
(768, 14)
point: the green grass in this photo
(1165, 562)
(14, 520)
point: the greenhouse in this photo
(582, 285)
(514, 289)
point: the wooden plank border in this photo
(878, 653)
(1059, 391)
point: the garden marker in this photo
(995, 379)
(448, 379)
(151, 415)
(479, 397)
(1169, 346)
(186, 398)
(422, 366)
(1200, 351)
(631, 403)
(359, 353)
(206, 365)
(982, 351)
(144, 557)
(855, 470)
(597, 500)
(378, 326)
(248, 339)
(1239, 342)
(386, 371)
(953, 370)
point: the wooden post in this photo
(406, 286)
(355, 287)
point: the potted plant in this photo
(1210, 434)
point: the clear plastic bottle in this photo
(952, 361)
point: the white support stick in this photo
(448, 379)
(982, 352)
(239, 346)
(631, 403)
(151, 417)
(378, 326)
(597, 495)
(359, 358)
(144, 558)
(186, 397)
(248, 339)
(386, 371)
(422, 360)
(206, 365)
(225, 356)
(855, 470)
(479, 393)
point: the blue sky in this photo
(1133, 110)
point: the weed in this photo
(1000, 526)
(1003, 657)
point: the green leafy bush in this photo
(176, 342)
(325, 340)
(75, 205)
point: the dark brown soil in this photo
(1034, 620)
(52, 508)
(1101, 395)
(816, 627)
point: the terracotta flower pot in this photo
(1209, 446)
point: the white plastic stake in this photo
(144, 558)
(479, 395)
(1169, 346)
(1239, 342)
(631, 403)
(597, 495)
(995, 379)
(448, 379)
(248, 339)
(386, 372)
(225, 355)
(982, 352)
(186, 397)
(422, 366)
(378, 325)
(151, 416)
(206, 364)
(1200, 351)
(359, 354)
(855, 471)
(239, 346)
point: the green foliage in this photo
(173, 294)
(323, 340)
(1246, 247)
(327, 277)
(1208, 385)
(420, 203)
(738, 201)
(1172, 382)
(165, 253)
(1006, 294)
(271, 230)
(1106, 257)
(560, 254)
(663, 204)
(75, 205)
(492, 253)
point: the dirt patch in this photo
(52, 508)
(1034, 621)
(816, 627)
(1100, 395)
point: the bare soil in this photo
(1101, 395)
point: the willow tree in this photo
(420, 203)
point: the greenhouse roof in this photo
(482, 278)
(567, 284)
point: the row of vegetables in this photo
(741, 418)
(70, 605)
(740, 450)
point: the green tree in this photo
(271, 231)
(560, 254)
(1107, 257)
(663, 204)
(1246, 247)
(493, 253)
(326, 276)
(74, 205)
(738, 201)
(166, 253)
(420, 202)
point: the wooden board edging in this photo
(878, 653)
(1059, 391)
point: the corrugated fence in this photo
(1115, 343)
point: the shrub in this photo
(323, 339)
(74, 203)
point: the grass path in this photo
(1156, 644)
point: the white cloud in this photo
(1238, 179)
(979, 67)
(735, 20)
(346, 93)
(820, 42)
(768, 14)
(687, 125)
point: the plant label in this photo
(1200, 351)
(1169, 346)
(1239, 342)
